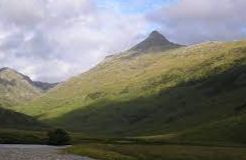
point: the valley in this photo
(151, 93)
(122, 80)
(157, 100)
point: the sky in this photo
(52, 40)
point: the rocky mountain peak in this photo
(155, 42)
(157, 36)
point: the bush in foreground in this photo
(58, 137)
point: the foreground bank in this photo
(158, 152)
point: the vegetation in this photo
(157, 152)
(58, 137)
(154, 105)
(230, 131)
(15, 88)
(18, 136)
(14, 120)
(176, 104)
(150, 94)
(11, 136)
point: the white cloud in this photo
(192, 21)
(54, 40)
(22, 13)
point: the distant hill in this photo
(171, 91)
(44, 86)
(16, 87)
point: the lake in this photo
(35, 152)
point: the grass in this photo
(226, 132)
(150, 94)
(15, 120)
(13, 136)
(182, 104)
(15, 88)
(221, 140)
(157, 152)
(231, 130)
(144, 148)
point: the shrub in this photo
(58, 137)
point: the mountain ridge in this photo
(17, 87)
(39, 84)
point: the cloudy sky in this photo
(51, 40)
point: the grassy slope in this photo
(11, 119)
(15, 88)
(231, 130)
(157, 152)
(13, 136)
(151, 93)
(20, 128)
(227, 132)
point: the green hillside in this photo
(16, 88)
(11, 119)
(152, 93)
(230, 130)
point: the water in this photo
(35, 152)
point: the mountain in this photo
(16, 87)
(156, 42)
(168, 92)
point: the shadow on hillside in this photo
(12, 119)
(187, 105)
